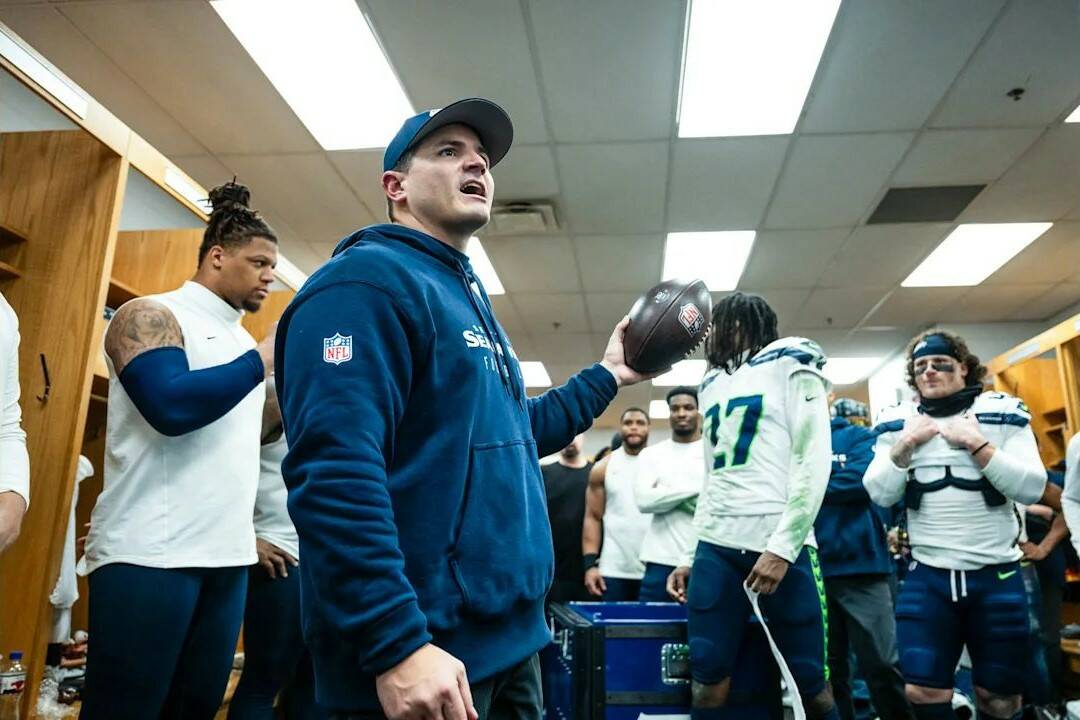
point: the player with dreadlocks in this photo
(768, 453)
(172, 533)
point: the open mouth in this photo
(474, 188)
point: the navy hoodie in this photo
(412, 466)
(849, 531)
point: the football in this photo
(667, 323)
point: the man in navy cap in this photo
(412, 470)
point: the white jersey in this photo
(625, 525)
(671, 473)
(1070, 496)
(760, 493)
(272, 521)
(954, 528)
(186, 501)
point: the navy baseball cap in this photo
(488, 120)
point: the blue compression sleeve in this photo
(176, 400)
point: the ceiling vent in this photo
(523, 218)
(924, 204)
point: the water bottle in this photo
(12, 682)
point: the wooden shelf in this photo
(10, 234)
(1058, 429)
(8, 272)
(120, 293)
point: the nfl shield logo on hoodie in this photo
(337, 349)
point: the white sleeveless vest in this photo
(624, 525)
(187, 501)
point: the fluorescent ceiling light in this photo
(327, 64)
(748, 65)
(659, 410)
(42, 73)
(849, 370)
(188, 190)
(535, 374)
(289, 274)
(718, 258)
(483, 268)
(1074, 116)
(971, 253)
(684, 372)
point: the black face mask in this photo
(953, 404)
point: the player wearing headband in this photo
(961, 459)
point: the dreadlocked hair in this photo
(741, 326)
(232, 223)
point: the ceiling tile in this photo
(791, 258)
(542, 311)
(723, 184)
(1059, 298)
(527, 173)
(785, 303)
(837, 307)
(362, 170)
(884, 71)
(534, 264)
(565, 347)
(882, 255)
(212, 86)
(305, 191)
(610, 68)
(1034, 47)
(616, 188)
(207, 170)
(607, 309)
(1042, 185)
(991, 303)
(444, 51)
(1051, 258)
(630, 263)
(56, 38)
(915, 307)
(831, 181)
(507, 315)
(957, 157)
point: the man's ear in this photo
(393, 184)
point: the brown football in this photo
(666, 324)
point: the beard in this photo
(684, 430)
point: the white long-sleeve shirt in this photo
(14, 461)
(670, 473)
(955, 529)
(1070, 496)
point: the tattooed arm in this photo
(138, 326)
(146, 347)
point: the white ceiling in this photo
(906, 94)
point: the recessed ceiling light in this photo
(535, 374)
(289, 274)
(748, 64)
(849, 370)
(717, 258)
(483, 268)
(659, 410)
(971, 253)
(684, 372)
(326, 62)
(1074, 116)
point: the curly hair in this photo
(742, 325)
(233, 223)
(976, 371)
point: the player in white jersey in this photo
(960, 459)
(1070, 498)
(614, 574)
(667, 486)
(769, 455)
